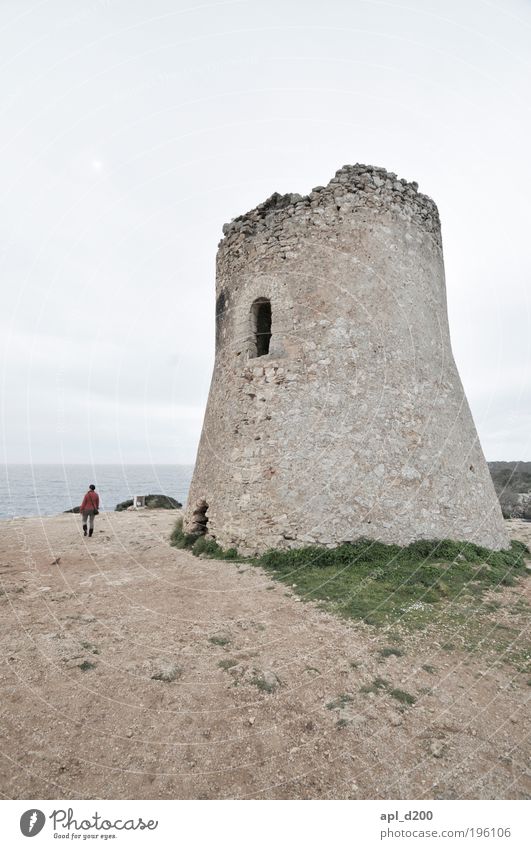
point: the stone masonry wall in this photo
(355, 423)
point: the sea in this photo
(46, 490)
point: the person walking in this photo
(89, 509)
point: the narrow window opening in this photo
(221, 307)
(261, 323)
(199, 518)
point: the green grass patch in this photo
(264, 685)
(390, 651)
(219, 640)
(428, 583)
(86, 665)
(402, 696)
(380, 685)
(178, 537)
(389, 584)
(376, 686)
(341, 702)
(520, 606)
(209, 548)
(479, 634)
(491, 606)
(228, 664)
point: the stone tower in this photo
(336, 410)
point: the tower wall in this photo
(355, 424)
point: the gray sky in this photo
(131, 130)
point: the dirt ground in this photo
(133, 670)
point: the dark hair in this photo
(92, 486)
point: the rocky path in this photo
(133, 670)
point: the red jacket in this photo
(91, 501)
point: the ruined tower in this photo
(336, 410)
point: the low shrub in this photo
(180, 539)
(200, 544)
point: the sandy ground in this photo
(86, 624)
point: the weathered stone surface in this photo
(165, 670)
(437, 748)
(355, 423)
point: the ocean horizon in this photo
(46, 489)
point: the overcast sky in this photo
(131, 130)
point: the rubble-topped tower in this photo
(336, 410)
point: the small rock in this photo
(251, 720)
(437, 748)
(395, 719)
(165, 671)
(270, 679)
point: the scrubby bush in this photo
(180, 539)
(200, 544)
